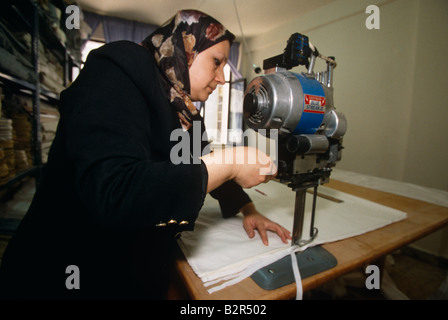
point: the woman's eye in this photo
(217, 62)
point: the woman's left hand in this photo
(255, 220)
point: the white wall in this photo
(386, 83)
(427, 147)
(390, 83)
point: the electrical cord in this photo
(257, 69)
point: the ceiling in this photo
(256, 16)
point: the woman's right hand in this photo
(246, 165)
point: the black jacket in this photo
(111, 201)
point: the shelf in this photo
(20, 176)
(15, 16)
(51, 41)
(18, 11)
(28, 16)
(22, 84)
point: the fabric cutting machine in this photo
(299, 107)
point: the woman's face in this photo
(207, 70)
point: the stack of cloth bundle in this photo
(49, 126)
(19, 109)
(22, 128)
(51, 72)
(22, 161)
(16, 135)
(22, 140)
(7, 158)
(49, 117)
(15, 54)
(4, 170)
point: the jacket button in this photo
(172, 222)
(161, 224)
(177, 235)
(183, 223)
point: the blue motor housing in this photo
(313, 105)
(287, 101)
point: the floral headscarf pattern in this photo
(175, 45)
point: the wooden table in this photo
(352, 253)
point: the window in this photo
(223, 112)
(90, 45)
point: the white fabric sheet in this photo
(410, 190)
(221, 254)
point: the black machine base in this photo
(278, 274)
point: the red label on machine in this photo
(314, 104)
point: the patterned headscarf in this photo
(175, 45)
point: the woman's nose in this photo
(220, 78)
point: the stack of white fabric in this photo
(221, 254)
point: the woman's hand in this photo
(247, 166)
(252, 167)
(255, 220)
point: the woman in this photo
(104, 220)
